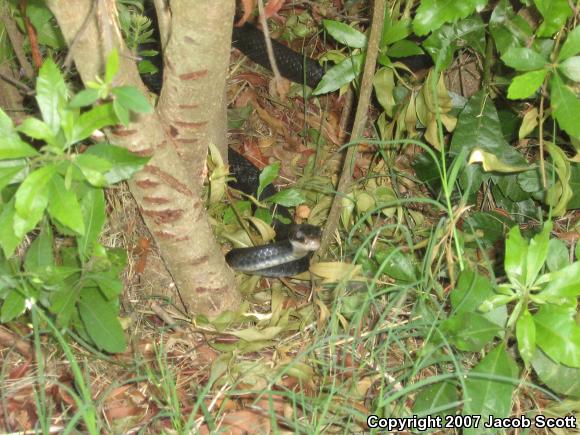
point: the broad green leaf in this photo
(526, 85)
(571, 45)
(123, 162)
(100, 320)
(112, 66)
(287, 198)
(563, 283)
(93, 168)
(51, 94)
(555, 13)
(11, 145)
(8, 173)
(471, 291)
(478, 126)
(404, 48)
(32, 199)
(487, 396)
(523, 59)
(93, 209)
(565, 106)
(40, 253)
(571, 68)
(12, 306)
(37, 129)
(529, 123)
(437, 399)
(557, 333)
(8, 238)
(396, 264)
(84, 98)
(516, 253)
(537, 253)
(469, 332)
(562, 379)
(557, 255)
(507, 28)
(384, 84)
(63, 301)
(345, 34)
(43, 21)
(267, 176)
(122, 113)
(340, 75)
(443, 42)
(526, 335)
(393, 32)
(130, 98)
(432, 14)
(96, 118)
(64, 206)
(110, 285)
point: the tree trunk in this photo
(190, 114)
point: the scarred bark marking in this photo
(188, 106)
(184, 140)
(123, 132)
(168, 179)
(190, 124)
(143, 152)
(198, 261)
(164, 235)
(147, 184)
(173, 131)
(164, 216)
(155, 200)
(195, 75)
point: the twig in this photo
(358, 125)
(17, 84)
(31, 31)
(269, 49)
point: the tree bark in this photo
(167, 191)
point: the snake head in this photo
(304, 237)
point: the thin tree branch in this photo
(17, 41)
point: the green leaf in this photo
(93, 168)
(437, 399)
(396, 264)
(345, 34)
(13, 306)
(471, 291)
(130, 98)
(64, 206)
(84, 98)
(93, 209)
(571, 68)
(8, 238)
(9, 169)
(96, 118)
(393, 32)
(537, 253)
(404, 48)
(487, 395)
(557, 333)
(523, 59)
(432, 14)
(36, 129)
(340, 75)
(255, 334)
(122, 113)
(384, 84)
(516, 253)
(32, 199)
(267, 176)
(526, 335)
(507, 28)
(51, 94)
(43, 21)
(109, 284)
(287, 198)
(123, 162)
(11, 145)
(555, 13)
(40, 253)
(559, 194)
(525, 85)
(557, 255)
(112, 66)
(565, 106)
(469, 332)
(478, 126)
(564, 283)
(562, 379)
(63, 301)
(571, 45)
(100, 320)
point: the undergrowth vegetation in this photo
(450, 290)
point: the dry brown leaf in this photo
(272, 7)
(247, 6)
